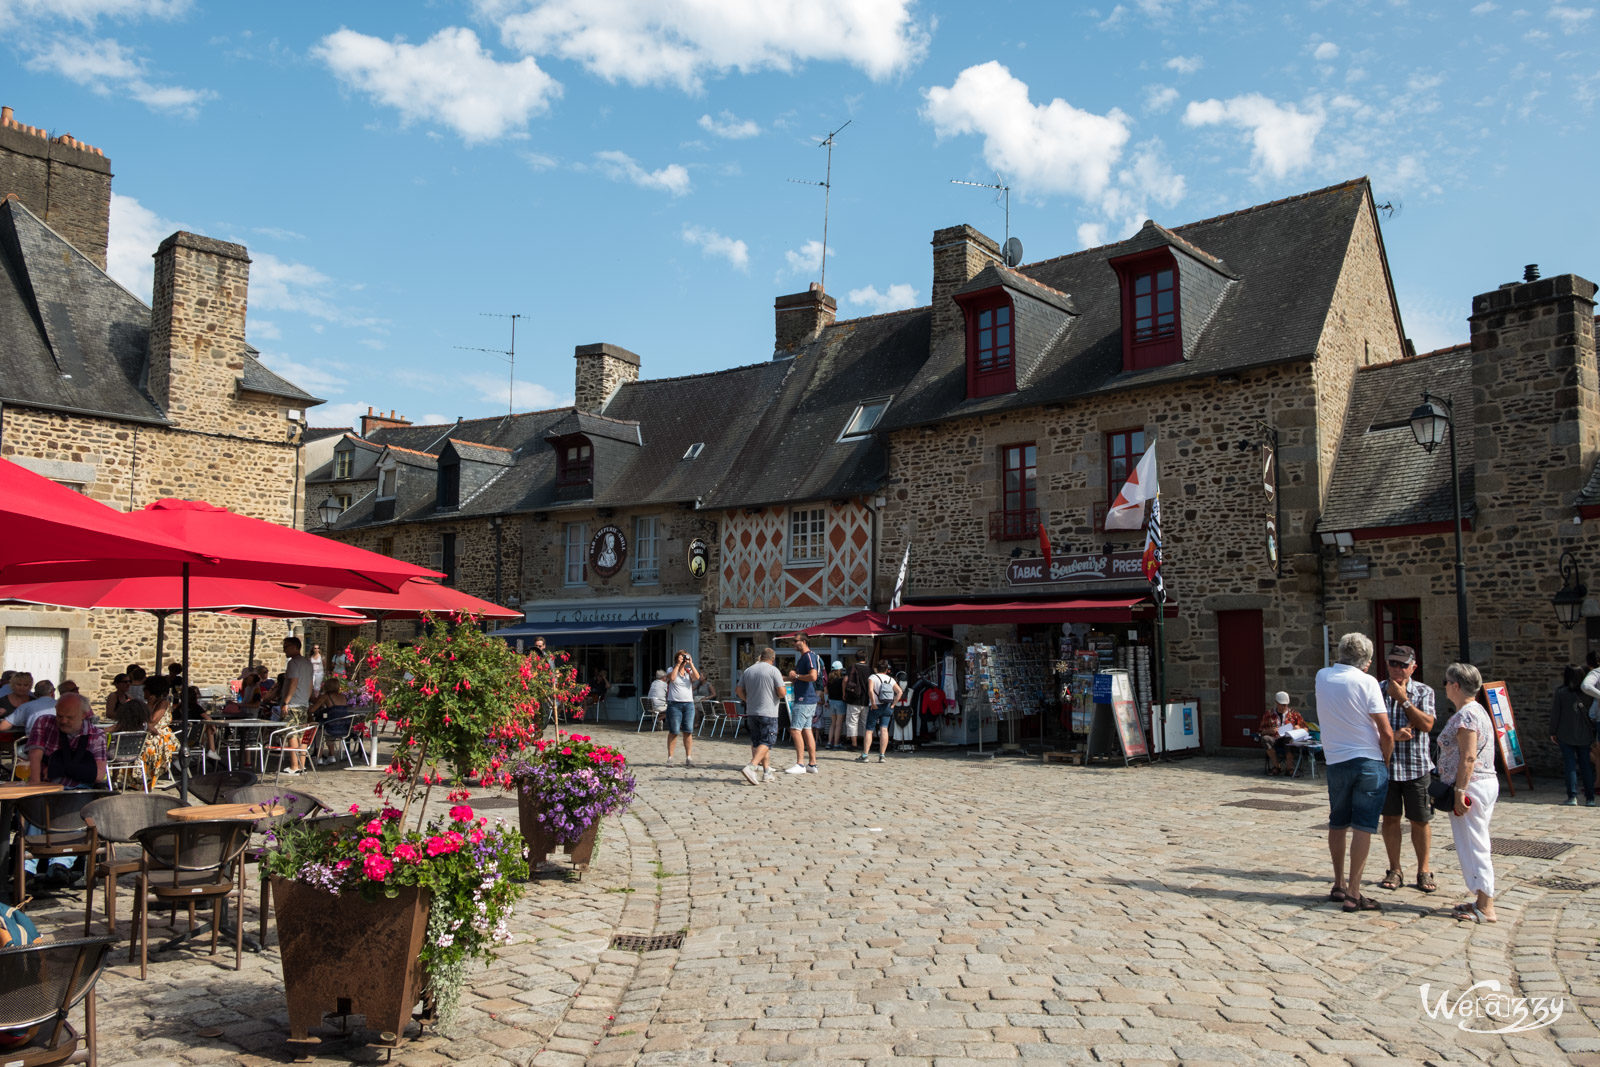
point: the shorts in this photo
(680, 716)
(880, 717)
(854, 716)
(1412, 797)
(836, 708)
(802, 716)
(763, 730)
(297, 716)
(1356, 791)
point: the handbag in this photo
(1442, 795)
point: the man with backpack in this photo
(884, 693)
(856, 680)
(807, 676)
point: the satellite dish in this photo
(1012, 251)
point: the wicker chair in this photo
(58, 818)
(114, 821)
(40, 985)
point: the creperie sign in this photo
(1084, 567)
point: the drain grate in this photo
(1515, 846)
(1569, 885)
(646, 942)
(1270, 805)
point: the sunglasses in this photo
(1399, 663)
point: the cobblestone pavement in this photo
(943, 909)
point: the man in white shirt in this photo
(1357, 741)
(295, 700)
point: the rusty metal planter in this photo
(542, 841)
(347, 954)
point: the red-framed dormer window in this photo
(574, 462)
(1152, 334)
(991, 344)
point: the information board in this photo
(1507, 740)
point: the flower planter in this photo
(542, 841)
(342, 953)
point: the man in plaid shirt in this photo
(1410, 706)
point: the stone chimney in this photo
(602, 368)
(959, 253)
(197, 340)
(800, 317)
(377, 420)
(62, 180)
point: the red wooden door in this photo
(1243, 668)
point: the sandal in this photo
(1336, 894)
(1394, 880)
(1473, 915)
(1425, 881)
(1362, 903)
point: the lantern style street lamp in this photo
(1568, 602)
(329, 511)
(1431, 422)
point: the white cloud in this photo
(1147, 178)
(713, 243)
(1326, 52)
(897, 297)
(324, 377)
(134, 233)
(1185, 64)
(730, 126)
(645, 42)
(1281, 135)
(525, 395)
(280, 285)
(342, 414)
(1484, 8)
(262, 330)
(1571, 19)
(1092, 234)
(106, 67)
(449, 79)
(1043, 148)
(619, 166)
(808, 260)
(1158, 98)
(88, 11)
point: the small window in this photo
(344, 500)
(388, 479)
(695, 450)
(344, 462)
(575, 546)
(386, 546)
(1152, 318)
(449, 495)
(1018, 516)
(808, 532)
(447, 556)
(991, 349)
(646, 551)
(574, 462)
(867, 415)
(1155, 306)
(1124, 448)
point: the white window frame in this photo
(853, 428)
(646, 551)
(389, 473)
(574, 553)
(694, 450)
(808, 533)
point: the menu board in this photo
(1129, 729)
(1505, 726)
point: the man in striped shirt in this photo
(1410, 705)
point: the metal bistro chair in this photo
(710, 712)
(124, 755)
(647, 712)
(296, 804)
(58, 817)
(183, 864)
(277, 744)
(114, 821)
(40, 985)
(731, 713)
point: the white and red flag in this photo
(1127, 511)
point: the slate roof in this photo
(1381, 476)
(318, 433)
(76, 341)
(592, 425)
(1284, 259)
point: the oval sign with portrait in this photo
(608, 551)
(699, 557)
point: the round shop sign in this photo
(699, 557)
(608, 551)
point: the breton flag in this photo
(1127, 511)
(1044, 547)
(900, 582)
(1151, 560)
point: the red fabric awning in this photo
(1113, 609)
(414, 598)
(164, 595)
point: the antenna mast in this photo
(827, 192)
(507, 354)
(1000, 187)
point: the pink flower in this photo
(377, 866)
(444, 843)
(342, 865)
(374, 827)
(369, 844)
(407, 852)
(355, 809)
(461, 813)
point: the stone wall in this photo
(62, 180)
(197, 335)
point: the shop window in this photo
(1124, 449)
(344, 462)
(991, 367)
(574, 462)
(575, 545)
(1396, 622)
(1151, 323)
(646, 558)
(447, 557)
(808, 532)
(1018, 515)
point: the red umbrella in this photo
(863, 623)
(411, 601)
(46, 522)
(164, 595)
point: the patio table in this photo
(234, 812)
(243, 731)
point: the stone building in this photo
(124, 401)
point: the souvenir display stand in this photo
(1008, 681)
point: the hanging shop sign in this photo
(1272, 544)
(699, 557)
(1082, 567)
(608, 551)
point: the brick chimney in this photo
(379, 421)
(602, 369)
(959, 253)
(197, 340)
(62, 180)
(800, 317)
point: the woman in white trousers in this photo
(1466, 757)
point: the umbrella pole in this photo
(161, 633)
(183, 702)
(251, 662)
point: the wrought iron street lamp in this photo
(1431, 422)
(329, 511)
(1568, 602)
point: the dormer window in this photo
(449, 481)
(574, 462)
(387, 480)
(1151, 334)
(344, 462)
(991, 348)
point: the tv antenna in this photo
(827, 189)
(1005, 191)
(507, 354)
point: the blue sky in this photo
(620, 170)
